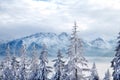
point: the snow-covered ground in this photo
(102, 64)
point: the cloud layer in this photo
(94, 17)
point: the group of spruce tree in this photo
(36, 68)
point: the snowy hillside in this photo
(97, 47)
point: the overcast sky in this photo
(95, 18)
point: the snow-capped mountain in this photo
(100, 43)
(97, 47)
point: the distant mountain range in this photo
(97, 47)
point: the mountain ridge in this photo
(96, 47)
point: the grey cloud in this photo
(23, 21)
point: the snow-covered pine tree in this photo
(2, 66)
(116, 62)
(8, 57)
(59, 66)
(44, 69)
(74, 67)
(14, 67)
(94, 74)
(23, 67)
(34, 74)
(107, 75)
(7, 73)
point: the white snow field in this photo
(102, 64)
